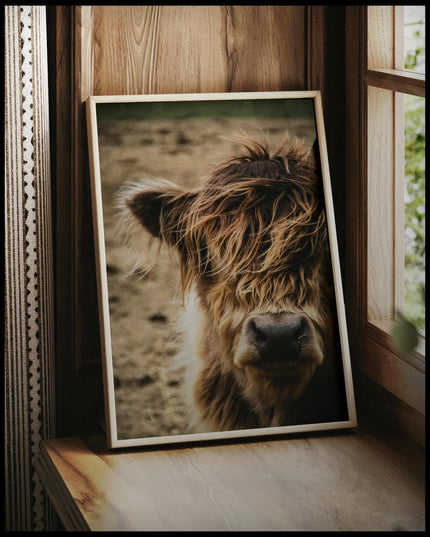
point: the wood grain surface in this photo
(192, 49)
(346, 482)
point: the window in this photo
(385, 185)
(395, 168)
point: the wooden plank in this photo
(380, 37)
(316, 50)
(196, 49)
(395, 80)
(86, 325)
(59, 38)
(380, 196)
(399, 376)
(355, 173)
(326, 483)
(382, 413)
(71, 516)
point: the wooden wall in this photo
(177, 49)
(106, 50)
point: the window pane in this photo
(414, 38)
(414, 306)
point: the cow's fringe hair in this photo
(262, 255)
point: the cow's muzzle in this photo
(279, 342)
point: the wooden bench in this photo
(343, 481)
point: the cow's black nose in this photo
(278, 337)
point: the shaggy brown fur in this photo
(253, 254)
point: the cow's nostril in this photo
(256, 333)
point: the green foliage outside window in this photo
(404, 334)
(414, 310)
(415, 210)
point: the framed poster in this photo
(220, 293)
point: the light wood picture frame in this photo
(246, 246)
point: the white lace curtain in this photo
(29, 330)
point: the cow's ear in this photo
(156, 205)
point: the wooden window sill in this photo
(347, 481)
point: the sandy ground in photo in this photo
(144, 310)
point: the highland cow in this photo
(252, 243)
